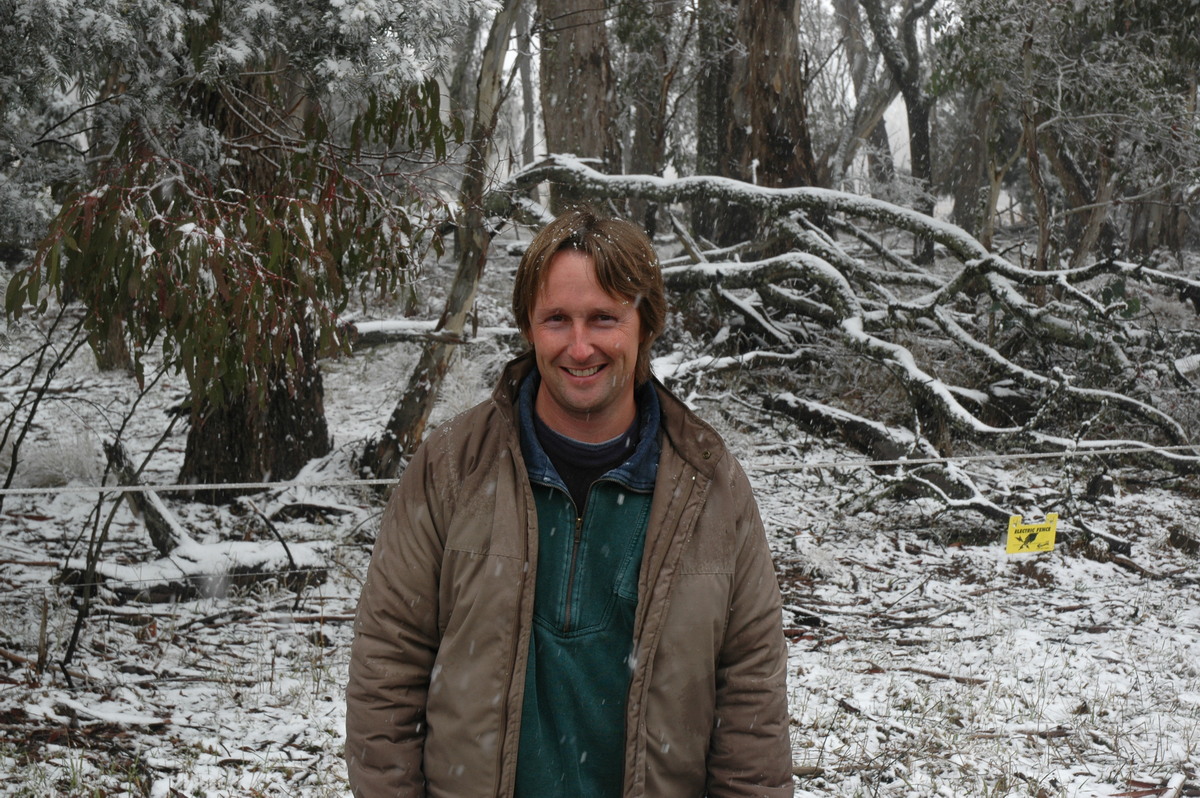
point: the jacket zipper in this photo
(571, 574)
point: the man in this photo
(571, 592)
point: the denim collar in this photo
(636, 473)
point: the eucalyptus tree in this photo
(654, 41)
(768, 129)
(241, 168)
(899, 42)
(383, 456)
(715, 46)
(577, 84)
(872, 89)
(751, 105)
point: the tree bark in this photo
(967, 175)
(461, 86)
(1088, 193)
(872, 97)
(1037, 183)
(768, 126)
(524, 63)
(1097, 215)
(644, 27)
(578, 91)
(714, 102)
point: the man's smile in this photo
(582, 372)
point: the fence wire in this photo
(284, 486)
(802, 466)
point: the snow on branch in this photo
(187, 567)
(973, 350)
(374, 333)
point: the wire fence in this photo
(794, 466)
(283, 486)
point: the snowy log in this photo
(210, 570)
(377, 333)
(187, 568)
(166, 533)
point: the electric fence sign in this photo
(1030, 538)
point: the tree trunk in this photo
(768, 127)
(644, 27)
(996, 171)
(406, 426)
(110, 350)
(1037, 183)
(245, 440)
(872, 97)
(1096, 216)
(714, 102)
(577, 87)
(769, 110)
(1033, 161)
(880, 163)
(1159, 221)
(1164, 219)
(461, 85)
(1088, 195)
(967, 174)
(524, 62)
(902, 55)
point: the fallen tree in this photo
(187, 568)
(977, 352)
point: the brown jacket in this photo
(437, 669)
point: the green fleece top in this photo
(573, 716)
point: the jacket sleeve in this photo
(395, 642)
(750, 752)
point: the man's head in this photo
(626, 268)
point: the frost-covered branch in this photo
(975, 350)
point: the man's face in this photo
(586, 344)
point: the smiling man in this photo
(571, 592)
(586, 343)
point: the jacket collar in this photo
(636, 473)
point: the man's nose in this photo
(580, 348)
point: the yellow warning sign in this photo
(1025, 538)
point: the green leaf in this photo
(14, 297)
(35, 282)
(275, 247)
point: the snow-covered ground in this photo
(924, 659)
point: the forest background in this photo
(927, 260)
